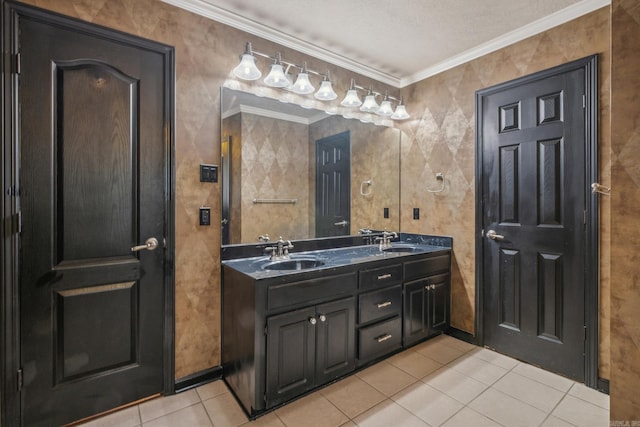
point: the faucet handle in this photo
(263, 238)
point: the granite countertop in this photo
(331, 258)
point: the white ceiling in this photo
(397, 42)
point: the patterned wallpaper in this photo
(625, 205)
(441, 138)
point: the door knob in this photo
(149, 245)
(491, 234)
(342, 223)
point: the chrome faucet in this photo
(385, 239)
(280, 250)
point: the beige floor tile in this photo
(438, 351)
(192, 416)
(268, 420)
(455, 384)
(388, 413)
(467, 417)
(353, 396)
(429, 404)
(478, 369)
(581, 413)
(529, 391)
(506, 410)
(157, 408)
(552, 421)
(129, 417)
(212, 389)
(545, 377)
(386, 378)
(455, 343)
(414, 363)
(583, 392)
(494, 358)
(311, 411)
(224, 411)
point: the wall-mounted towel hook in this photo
(368, 183)
(596, 187)
(439, 176)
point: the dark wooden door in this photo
(225, 225)
(533, 199)
(416, 305)
(335, 353)
(333, 186)
(291, 354)
(439, 302)
(94, 129)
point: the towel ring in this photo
(368, 183)
(439, 176)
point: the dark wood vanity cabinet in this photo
(286, 335)
(309, 347)
(426, 298)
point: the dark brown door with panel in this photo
(94, 128)
(534, 220)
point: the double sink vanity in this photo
(296, 321)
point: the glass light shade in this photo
(370, 105)
(400, 113)
(302, 85)
(351, 99)
(326, 92)
(247, 69)
(276, 77)
(385, 109)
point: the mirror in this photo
(302, 173)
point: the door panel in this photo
(333, 185)
(94, 166)
(336, 339)
(533, 197)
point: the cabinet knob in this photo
(312, 320)
(323, 318)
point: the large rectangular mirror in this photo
(302, 173)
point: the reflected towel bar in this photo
(282, 201)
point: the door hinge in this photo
(18, 59)
(584, 101)
(19, 222)
(19, 378)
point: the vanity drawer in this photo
(379, 339)
(379, 304)
(310, 291)
(379, 277)
(426, 267)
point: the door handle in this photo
(342, 223)
(149, 245)
(491, 234)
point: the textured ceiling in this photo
(397, 41)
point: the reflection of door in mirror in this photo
(226, 189)
(333, 185)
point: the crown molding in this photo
(272, 114)
(257, 29)
(558, 18)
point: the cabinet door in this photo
(335, 351)
(439, 303)
(291, 339)
(416, 319)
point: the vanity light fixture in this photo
(247, 68)
(278, 77)
(401, 111)
(303, 86)
(351, 98)
(385, 109)
(370, 105)
(326, 92)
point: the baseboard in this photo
(461, 335)
(603, 385)
(198, 379)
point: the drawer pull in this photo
(383, 338)
(384, 276)
(384, 304)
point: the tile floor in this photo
(441, 382)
